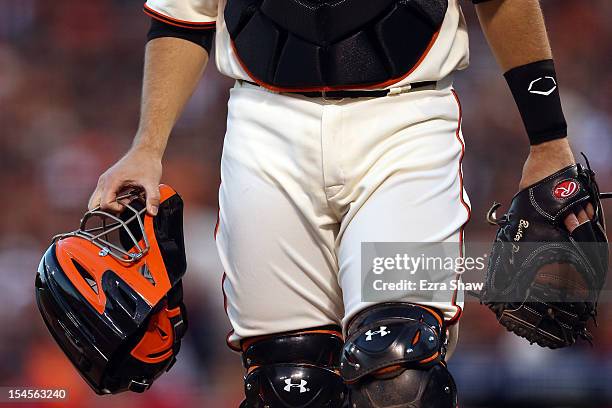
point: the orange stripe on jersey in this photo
(459, 312)
(206, 25)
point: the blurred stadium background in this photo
(69, 97)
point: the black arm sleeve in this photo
(479, 1)
(202, 37)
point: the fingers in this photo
(590, 211)
(137, 170)
(152, 193)
(571, 222)
(109, 189)
(582, 216)
(105, 196)
(108, 199)
(94, 200)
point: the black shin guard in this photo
(394, 357)
(294, 370)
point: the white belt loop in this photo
(399, 90)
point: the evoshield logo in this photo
(543, 86)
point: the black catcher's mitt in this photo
(543, 282)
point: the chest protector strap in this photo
(332, 44)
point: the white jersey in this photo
(448, 53)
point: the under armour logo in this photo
(543, 86)
(301, 385)
(383, 332)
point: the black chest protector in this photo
(332, 44)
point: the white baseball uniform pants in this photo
(304, 181)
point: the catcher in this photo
(343, 127)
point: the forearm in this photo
(515, 31)
(172, 69)
(517, 36)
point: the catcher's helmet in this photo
(110, 293)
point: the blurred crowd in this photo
(69, 99)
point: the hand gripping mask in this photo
(110, 293)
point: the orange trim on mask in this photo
(157, 342)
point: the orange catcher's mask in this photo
(111, 295)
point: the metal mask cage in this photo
(111, 224)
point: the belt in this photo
(376, 93)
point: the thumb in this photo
(152, 193)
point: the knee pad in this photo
(294, 370)
(394, 357)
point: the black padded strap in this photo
(178, 322)
(175, 295)
(315, 347)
